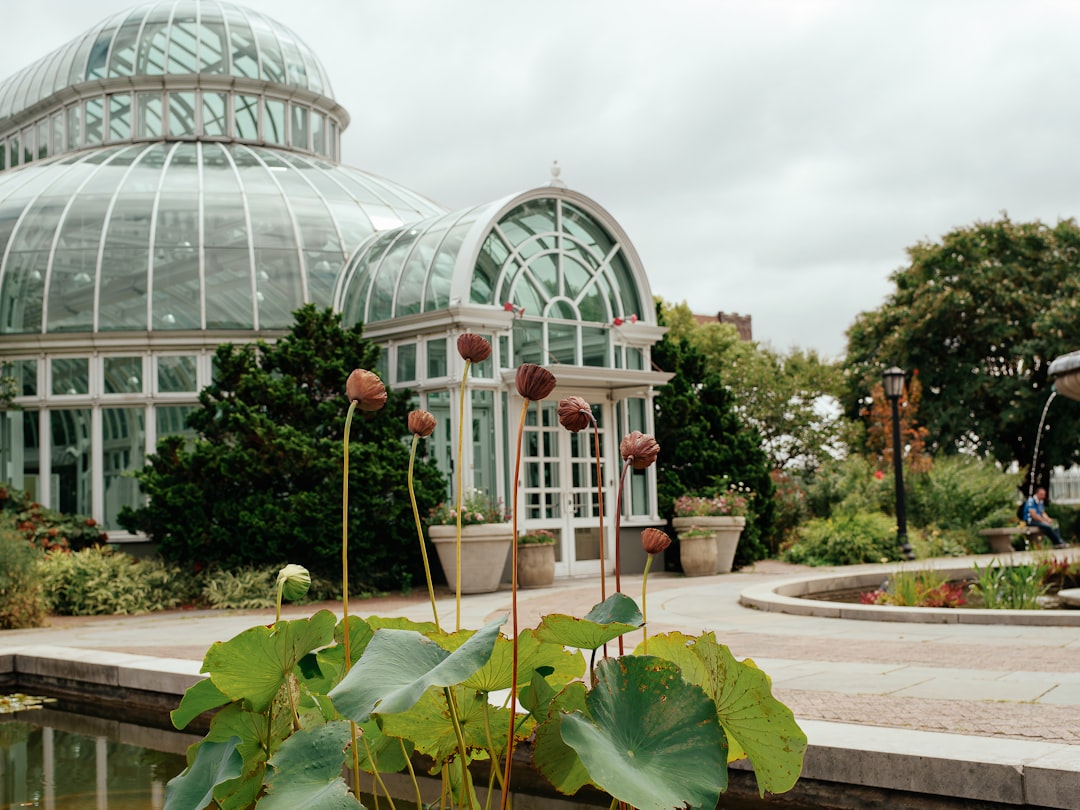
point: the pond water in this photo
(60, 761)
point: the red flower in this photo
(878, 474)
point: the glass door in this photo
(559, 475)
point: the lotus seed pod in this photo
(365, 389)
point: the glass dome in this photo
(182, 236)
(549, 253)
(173, 37)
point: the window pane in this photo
(215, 117)
(436, 358)
(594, 346)
(119, 117)
(71, 467)
(247, 117)
(406, 363)
(298, 132)
(181, 114)
(93, 119)
(42, 139)
(19, 456)
(318, 133)
(74, 127)
(70, 375)
(274, 123)
(123, 375)
(57, 133)
(176, 374)
(25, 374)
(150, 114)
(170, 421)
(123, 444)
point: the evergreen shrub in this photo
(22, 602)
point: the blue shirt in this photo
(1032, 505)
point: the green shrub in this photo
(847, 538)
(962, 493)
(241, 589)
(22, 602)
(851, 484)
(47, 528)
(1010, 587)
(99, 581)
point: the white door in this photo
(559, 492)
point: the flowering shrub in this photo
(46, 528)
(729, 504)
(540, 537)
(476, 507)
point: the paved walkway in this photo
(1000, 681)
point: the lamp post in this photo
(893, 382)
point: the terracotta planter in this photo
(484, 549)
(726, 528)
(535, 565)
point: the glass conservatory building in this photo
(171, 180)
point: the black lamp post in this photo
(893, 381)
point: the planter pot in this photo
(727, 530)
(535, 565)
(484, 549)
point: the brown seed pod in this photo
(365, 389)
(421, 423)
(473, 348)
(534, 382)
(654, 541)
(575, 414)
(639, 449)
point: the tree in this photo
(980, 314)
(704, 445)
(790, 399)
(262, 482)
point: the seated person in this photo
(1035, 515)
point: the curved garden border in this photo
(790, 596)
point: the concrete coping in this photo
(791, 596)
(978, 769)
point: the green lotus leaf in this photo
(242, 793)
(398, 666)
(556, 760)
(379, 751)
(536, 697)
(400, 623)
(616, 608)
(214, 763)
(360, 633)
(758, 726)
(252, 730)
(533, 655)
(650, 739)
(616, 615)
(200, 697)
(429, 726)
(253, 665)
(306, 771)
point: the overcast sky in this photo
(767, 158)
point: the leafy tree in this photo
(704, 445)
(980, 314)
(879, 428)
(262, 482)
(789, 398)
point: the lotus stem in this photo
(514, 611)
(644, 614)
(420, 531)
(618, 545)
(457, 508)
(600, 506)
(412, 774)
(451, 703)
(345, 579)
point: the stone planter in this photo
(535, 565)
(484, 549)
(726, 529)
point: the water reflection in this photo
(62, 761)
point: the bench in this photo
(1001, 540)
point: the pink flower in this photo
(878, 474)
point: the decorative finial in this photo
(555, 171)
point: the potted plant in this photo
(486, 537)
(722, 515)
(536, 559)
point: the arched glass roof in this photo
(183, 235)
(172, 37)
(550, 253)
